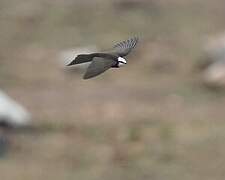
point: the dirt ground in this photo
(152, 119)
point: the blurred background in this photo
(160, 117)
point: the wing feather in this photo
(81, 58)
(98, 66)
(123, 48)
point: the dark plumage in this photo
(104, 61)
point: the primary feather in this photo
(82, 58)
(123, 48)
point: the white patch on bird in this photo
(121, 61)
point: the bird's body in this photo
(106, 60)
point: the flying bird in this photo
(100, 62)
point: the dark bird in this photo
(100, 62)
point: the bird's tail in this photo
(82, 58)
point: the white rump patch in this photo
(122, 61)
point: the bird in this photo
(102, 61)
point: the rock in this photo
(213, 63)
(214, 75)
(12, 114)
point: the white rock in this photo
(12, 113)
(214, 75)
(214, 72)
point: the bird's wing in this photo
(82, 58)
(98, 66)
(123, 48)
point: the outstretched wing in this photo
(123, 48)
(82, 58)
(98, 66)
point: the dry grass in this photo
(150, 120)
